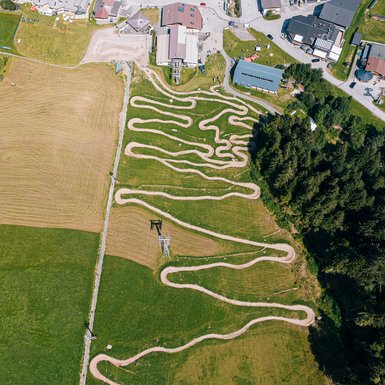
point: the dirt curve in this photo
(231, 153)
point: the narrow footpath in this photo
(99, 265)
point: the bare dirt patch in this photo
(129, 236)
(58, 129)
(106, 45)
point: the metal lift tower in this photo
(164, 241)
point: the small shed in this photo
(118, 67)
(356, 39)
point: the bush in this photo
(8, 5)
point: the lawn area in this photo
(339, 70)
(374, 30)
(42, 41)
(8, 27)
(136, 311)
(152, 14)
(279, 101)
(193, 78)
(46, 286)
(236, 48)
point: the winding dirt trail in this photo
(229, 153)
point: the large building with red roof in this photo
(183, 14)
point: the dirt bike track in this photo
(231, 153)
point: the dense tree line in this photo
(332, 182)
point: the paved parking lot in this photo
(106, 45)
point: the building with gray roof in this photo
(307, 29)
(78, 7)
(324, 39)
(258, 76)
(356, 39)
(340, 12)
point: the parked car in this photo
(316, 60)
(352, 84)
(270, 36)
(202, 4)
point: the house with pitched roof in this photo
(136, 24)
(107, 11)
(183, 14)
(177, 44)
(273, 6)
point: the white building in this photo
(177, 43)
(273, 6)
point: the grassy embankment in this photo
(135, 311)
(41, 40)
(8, 27)
(193, 78)
(152, 14)
(46, 284)
(374, 30)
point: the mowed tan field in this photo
(58, 129)
(129, 236)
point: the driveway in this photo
(106, 45)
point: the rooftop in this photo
(257, 75)
(268, 4)
(138, 21)
(377, 51)
(75, 6)
(310, 28)
(183, 14)
(340, 12)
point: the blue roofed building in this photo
(258, 76)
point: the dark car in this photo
(316, 60)
(352, 84)
(270, 36)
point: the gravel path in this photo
(102, 247)
(230, 153)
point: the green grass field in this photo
(136, 311)
(8, 27)
(374, 30)
(42, 41)
(235, 47)
(193, 78)
(46, 285)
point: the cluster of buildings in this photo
(53, 7)
(323, 35)
(178, 38)
(372, 62)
